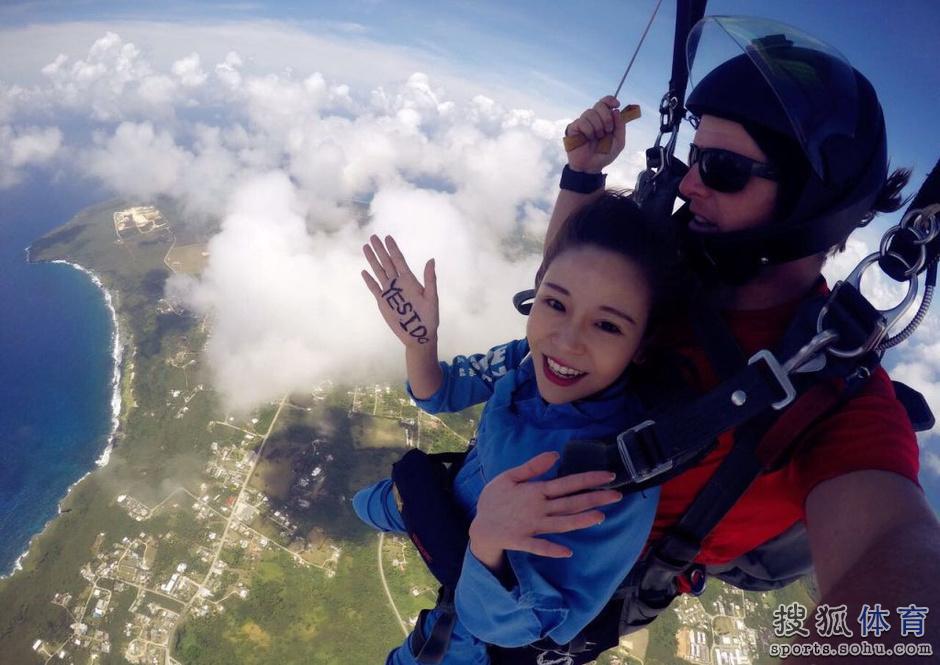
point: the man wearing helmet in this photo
(788, 158)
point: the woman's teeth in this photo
(561, 370)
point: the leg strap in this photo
(430, 649)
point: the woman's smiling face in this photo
(587, 322)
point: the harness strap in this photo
(687, 14)
(439, 530)
(760, 443)
(683, 542)
(435, 522)
(663, 573)
(752, 453)
(918, 411)
(431, 649)
(652, 448)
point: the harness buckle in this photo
(779, 374)
(812, 356)
(639, 472)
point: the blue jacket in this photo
(554, 598)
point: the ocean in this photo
(55, 364)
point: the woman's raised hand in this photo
(598, 122)
(409, 308)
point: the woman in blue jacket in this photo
(567, 380)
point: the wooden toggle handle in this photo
(629, 112)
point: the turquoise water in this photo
(55, 365)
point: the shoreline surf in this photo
(117, 354)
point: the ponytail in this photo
(889, 198)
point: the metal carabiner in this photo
(883, 251)
(924, 223)
(889, 317)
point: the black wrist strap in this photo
(582, 183)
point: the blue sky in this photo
(446, 115)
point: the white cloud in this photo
(288, 306)
(23, 147)
(931, 462)
(159, 92)
(351, 57)
(227, 70)
(189, 71)
(138, 161)
(275, 294)
(106, 82)
(381, 152)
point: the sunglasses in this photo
(726, 171)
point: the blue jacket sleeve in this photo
(501, 616)
(469, 380)
(556, 598)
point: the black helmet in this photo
(788, 89)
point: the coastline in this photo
(116, 356)
(117, 353)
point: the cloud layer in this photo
(301, 167)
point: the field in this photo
(189, 259)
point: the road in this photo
(388, 594)
(238, 498)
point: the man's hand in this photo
(409, 308)
(513, 509)
(601, 120)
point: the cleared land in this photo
(189, 259)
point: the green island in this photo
(214, 539)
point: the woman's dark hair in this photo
(615, 222)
